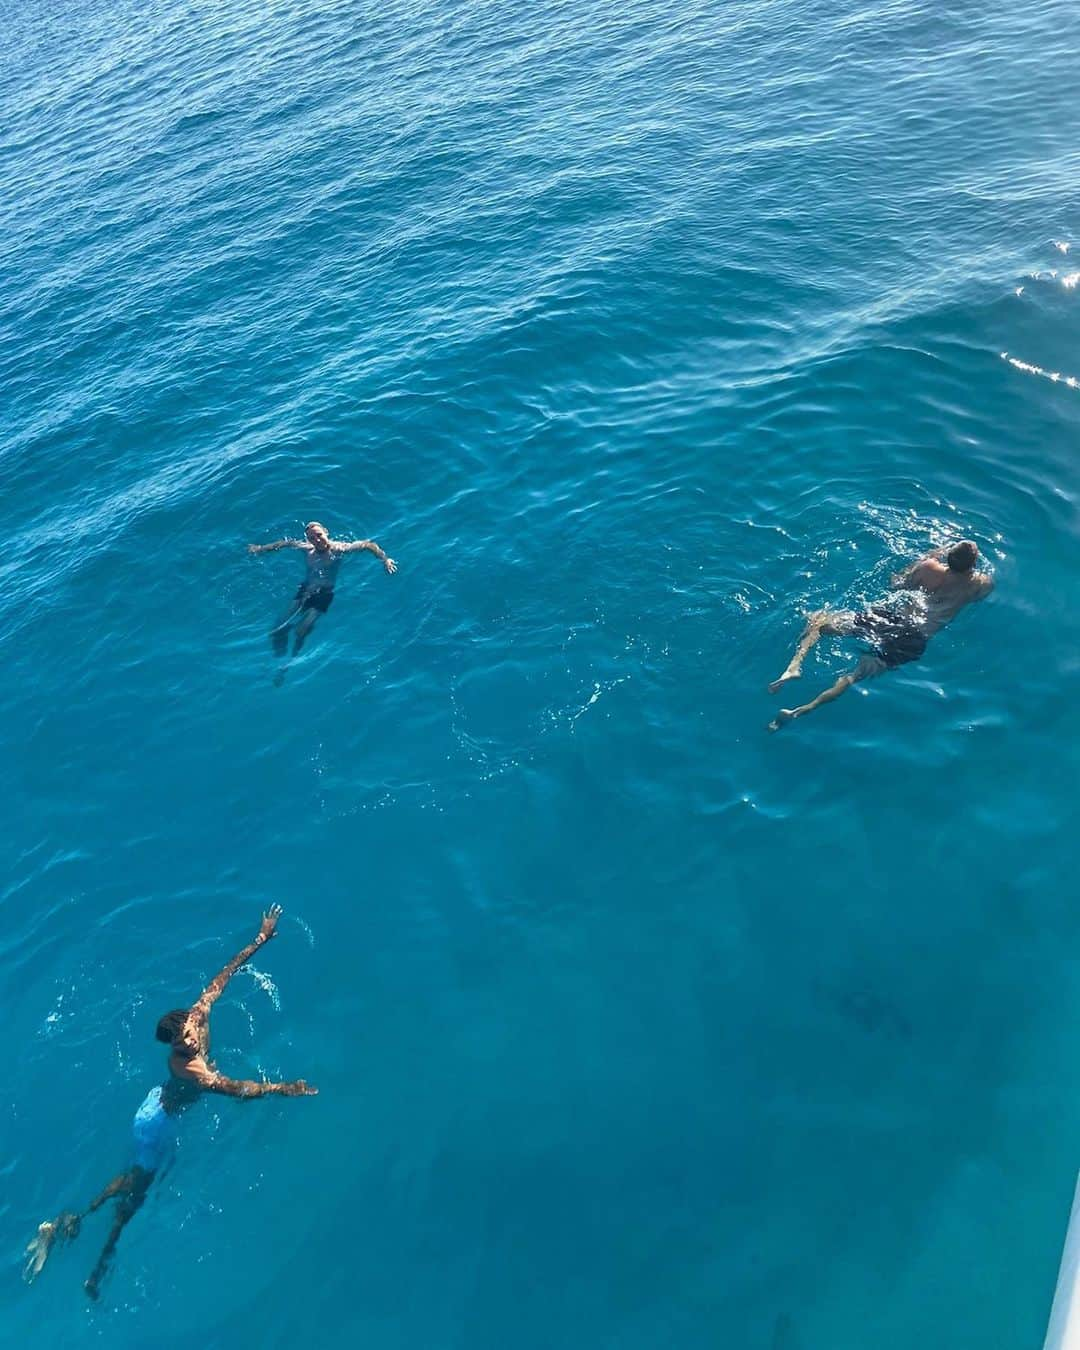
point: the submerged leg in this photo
(303, 628)
(820, 622)
(279, 635)
(866, 669)
(132, 1193)
(119, 1185)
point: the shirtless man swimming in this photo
(935, 589)
(191, 1072)
(323, 557)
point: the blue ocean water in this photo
(633, 333)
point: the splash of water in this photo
(265, 983)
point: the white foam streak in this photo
(594, 697)
(1055, 376)
(1068, 279)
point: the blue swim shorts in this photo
(153, 1131)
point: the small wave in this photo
(1053, 375)
(906, 531)
(598, 690)
(1067, 279)
(53, 1019)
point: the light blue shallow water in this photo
(632, 332)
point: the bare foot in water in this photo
(37, 1252)
(777, 685)
(61, 1229)
(784, 716)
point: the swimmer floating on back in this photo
(317, 589)
(191, 1072)
(936, 589)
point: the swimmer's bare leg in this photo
(132, 1188)
(867, 668)
(303, 628)
(118, 1186)
(820, 622)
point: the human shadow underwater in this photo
(191, 1073)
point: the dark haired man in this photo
(323, 558)
(191, 1072)
(936, 589)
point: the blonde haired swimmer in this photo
(316, 592)
(191, 1072)
(937, 588)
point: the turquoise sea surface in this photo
(633, 332)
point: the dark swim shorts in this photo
(895, 639)
(317, 598)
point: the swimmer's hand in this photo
(255, 548)
(297, 1089)
(390, 565)
(269, 924)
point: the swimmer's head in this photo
(962, 557)
(318, 535)
(170, 1030)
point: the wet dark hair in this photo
(171, 1025)
(962, 558)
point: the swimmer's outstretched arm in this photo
(369, 546)
(197, 1070)
(278, 543)
(201, 1008)
(212, 1081)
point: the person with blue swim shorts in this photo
(152, 1131)
(191, 1072)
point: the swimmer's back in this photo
(946, 591)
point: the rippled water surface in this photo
(633, 332)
